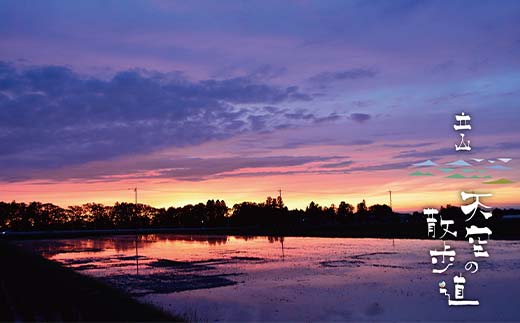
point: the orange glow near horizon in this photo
(321, 180)
(408, 193)
(327, 102)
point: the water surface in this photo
(237, 278)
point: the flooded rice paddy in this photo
(239, 278)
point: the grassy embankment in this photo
(33, 288)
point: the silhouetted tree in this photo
(362, 211)
(271, 215)
(99, 215)
(380, 213)
(345, 211)
(279, 202)
(122, 215)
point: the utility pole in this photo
(393, 235)
(136, 233)
(135, 191)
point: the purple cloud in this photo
(326, 78)
(180, 168)
(360, 117)
(52, 117)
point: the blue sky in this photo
(146, 91)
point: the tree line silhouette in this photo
(270, 215)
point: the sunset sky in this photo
(234, 100)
